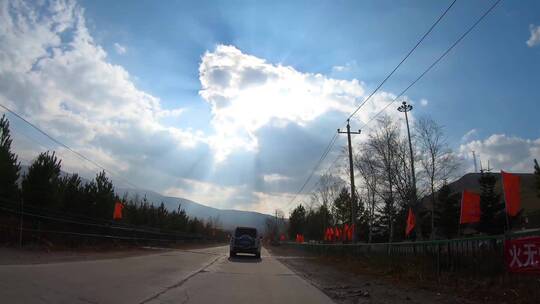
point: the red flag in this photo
(282, 238)
(512, 197)
(346, 232)
(117, 215)
(350, 232)
(411, 222)
(470, 208)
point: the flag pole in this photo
(460, 213)
(505, 203)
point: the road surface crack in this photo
(203, 269)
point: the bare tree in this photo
(389, 158)
(436, 158)
(382, 146)
(327, 191)
(275, 225)
(328, 188)
(365, 163)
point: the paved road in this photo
(197, 276)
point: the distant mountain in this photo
(228, 218)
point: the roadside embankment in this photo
(398, 278)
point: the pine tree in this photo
(491, 207)
(341, 208)
(9, 166)
(362, 222)
(71, 192)
(317, 220)
(447, 212)
(100, 196)
(40, 186)
(297, 221)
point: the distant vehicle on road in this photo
(245, 240)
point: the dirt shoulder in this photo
(345, 282)
(29, 256)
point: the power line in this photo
(332, 164)
(430, 67)
(325, 153)
(80, 155)
(436, 61)
(376, 89)
(404, 58)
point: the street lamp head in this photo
(405, 107)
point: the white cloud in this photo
(120, 49)
(170, 113)
(339, 68)
(207, 193)
(534, 39)
(469, 135)
(504, 152)
(53, 72)
(272, 178)
(424, 102)
(247, 92)
(269, 202)
(347, 67)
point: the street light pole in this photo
(406, 108)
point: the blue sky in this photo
(492, 67)
(160, 58)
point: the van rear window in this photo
(245, 231)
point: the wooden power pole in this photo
(351, 172)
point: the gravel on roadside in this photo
(346, 287)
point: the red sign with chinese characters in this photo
(523, 254)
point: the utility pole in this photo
(351, 172)
(407, 108)
(275, 233)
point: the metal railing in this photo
(477, 255)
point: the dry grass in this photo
(416, 272)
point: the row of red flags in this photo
(345, 233)
(470, 202)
